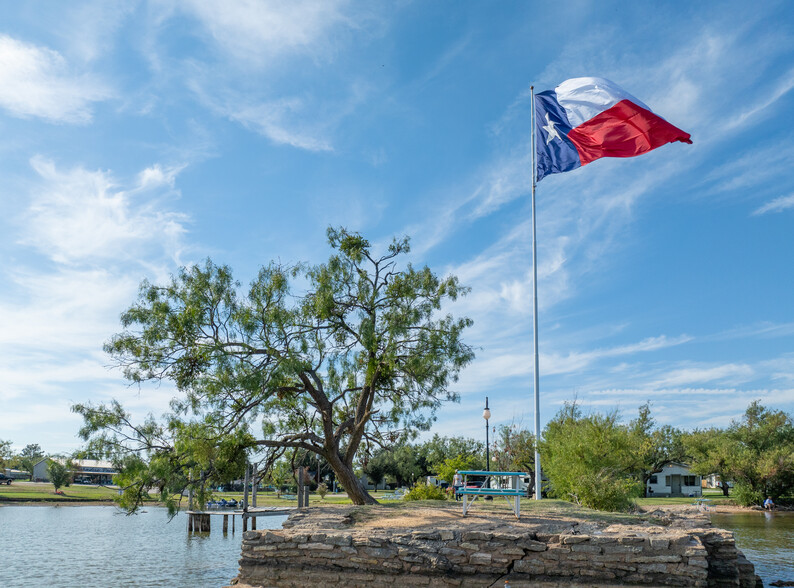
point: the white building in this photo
(90, 471)
(674, 479)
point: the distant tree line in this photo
(58, 468)
(24, 460)
(596, 460)
(602, 462)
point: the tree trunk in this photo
(725, 488)
(345, 475)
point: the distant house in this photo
(87, 471)
(370, 485)
(674, 479)
(714, 481)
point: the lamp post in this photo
(486, 414)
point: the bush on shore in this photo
(423, 491)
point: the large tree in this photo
(713, 451)
(30, 455)
(654, 446)
(589, 459)
(60, 474)
(6, 453)
(755, 452)
(362, 354)
(513, 449)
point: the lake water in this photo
(766, 539)
(79, 546)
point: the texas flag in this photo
(584, 119)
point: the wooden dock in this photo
(198, 521)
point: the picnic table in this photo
(704, 504)
(504, 484)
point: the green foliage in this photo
(59, 474)
(405, 462)
(408, 463)
(712, 451)
(602, 490)
(588, 459)
(424, 491)
(363, 355)
(322, 490)
(446, 471)
(29, 456)
(745, 495)
(5, 453)
(513, 449)
(654, 446)
(439, 449)
(756, 452)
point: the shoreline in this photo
(55, 502)
(642, 510)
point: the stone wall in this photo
(450, 557)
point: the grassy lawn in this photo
(40, 491)
(270, 499)
(45, 492)
(715, 496)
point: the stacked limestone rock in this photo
(476, 558)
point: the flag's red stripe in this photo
(623, 130)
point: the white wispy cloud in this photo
(695, 374)
(279, 121)
(79, 215)
(777, 205)
(90, 28)
(503, 363)
(261, 31)
(782, 86)
(38, 82)
(751, 170)
(99, 237)
(258, 52)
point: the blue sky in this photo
(136, 137)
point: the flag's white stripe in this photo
(584, 98)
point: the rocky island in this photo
(554, 544)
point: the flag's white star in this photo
(551, 132)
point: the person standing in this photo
(457, 482)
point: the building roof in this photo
(86, 465)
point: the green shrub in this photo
(322, 490)
(605, 491)
(589, 459)
(423, 491)
(744, 495)
(59, 474)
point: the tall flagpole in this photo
(535, 306)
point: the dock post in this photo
(226, 523)
(300, 487)
(254, 484)
(245, 489)
(233, 517)
(245, 498)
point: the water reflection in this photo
(766, 539)
(82, 546)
